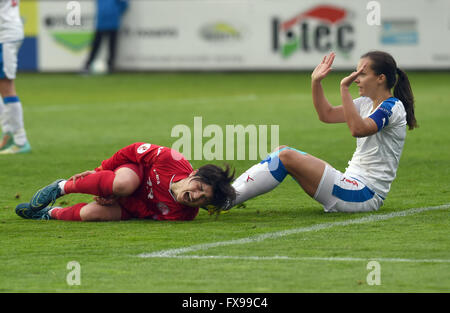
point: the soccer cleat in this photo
(6, 142)
(24, 211)
(227, 205)
(16, 149)
(45, 196)
(42, 214)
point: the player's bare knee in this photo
(96, 215)
(291, 158)
(286, 156)
(125, 182)
(123, 186)
(279, 148)
(7, 88)
(89, 215)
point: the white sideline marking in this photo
(175, 101)
(332, 259)
(366, 219)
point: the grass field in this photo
(281, 242)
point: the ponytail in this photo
(403, 92)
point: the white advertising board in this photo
(254, 34)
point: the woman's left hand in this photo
(347, 81)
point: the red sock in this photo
(71, 213)
(97, 184)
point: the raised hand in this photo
(322, 70)
(347, 81)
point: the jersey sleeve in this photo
(139, 153)
(381, 116)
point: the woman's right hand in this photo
(322, 70)
(105, 201)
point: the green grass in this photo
(74, 122)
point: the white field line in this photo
(330, 259)
(184, 101)
(273, 235)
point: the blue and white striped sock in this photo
(261, 178)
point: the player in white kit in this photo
(378, 119)
(14, 139)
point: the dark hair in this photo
(220, 181)
(384, 63)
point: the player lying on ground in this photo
(139, 181)
(377, 118)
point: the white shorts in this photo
(338, 192)
(8, 59)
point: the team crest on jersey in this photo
(144, 147)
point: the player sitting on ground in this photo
(377, 118)
(142, 181)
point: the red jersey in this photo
(161, 166)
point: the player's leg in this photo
(14, 137)
(269, 173)
(122, 182)
(306, 169)
(6, 137)
(336, 191)
(258, 179)
(112, 47)
(79, 212)
(95, 47)
(96, 212)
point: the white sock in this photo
(51, 210)
(61, 185)
(259, 179)
(4, 121)
(2, 107)
(14, 116)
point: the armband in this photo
(383, 113)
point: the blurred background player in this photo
(142, 180)
(109, 14)
(378, 119)
(14, 139)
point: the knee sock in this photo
(4, 120)
(13, 120)
(71, 213)
(97, 184)
(2, 109)
(261, 178)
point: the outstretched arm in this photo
(327, 113)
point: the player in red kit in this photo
(141, 180)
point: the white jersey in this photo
(11, 27)
(376, 158)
